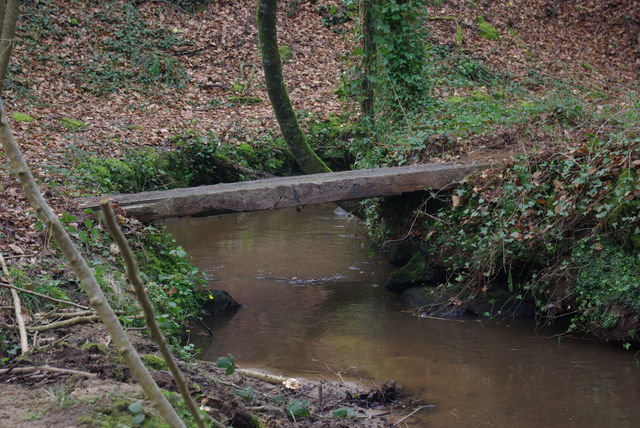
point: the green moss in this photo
(244, 100)
(285, 53)
(96, 348)
(72, 124)
(154, 362)
(487, 30)
(22, 117)
(117, 414)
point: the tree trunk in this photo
(9, 10)
(367, 103)
(304, 155)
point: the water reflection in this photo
(313, 293)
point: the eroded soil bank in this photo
(103, 394)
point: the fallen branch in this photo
(131, 267)
(44, 296)
(70, 314)
(23, 370)
(17, 305)
(66, 323)
(416, 410)
(265, 377)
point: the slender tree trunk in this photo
(304, 155)
(9, 10)
(85, 275)
(367, 103)
(131, 267)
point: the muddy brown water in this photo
(314, 298)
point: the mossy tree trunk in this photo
(302, 152)
(367, 103)
(9, 10)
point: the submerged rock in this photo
(504, 309)
(416, 272)
(432, 302)
(220, 303)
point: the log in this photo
(283, 192)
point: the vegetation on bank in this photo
(175, 287)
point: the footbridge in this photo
(283, 192)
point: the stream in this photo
(315, 304)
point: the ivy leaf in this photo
(135, 407)
(139, 418)
(344, 412)
(298, 409)
(228, 363)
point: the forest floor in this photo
(80, 91)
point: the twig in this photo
(131, 267)
(20, 256)
(24, 339)
(416, 410)
(23, 370)
(333, 371)
(70, 314)
(61, 324)
(44, 296)
(205, 326)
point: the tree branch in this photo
(85, 275)
(131, 266)
(44, 296)
(17, 305)
(23, 370)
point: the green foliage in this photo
(247, 394)
(546, 217)
(298, 409)
(285, 53)
(398, 34)
(334, 16)
(142, 169)
(607, 284)
(398, 73)
(343, 413)
(333, 140)
(228, 363)
(121, 411)
(196, 160)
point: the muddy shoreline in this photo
(102, 391)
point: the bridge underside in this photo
(283, 192)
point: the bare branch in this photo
(17, 305)
(131, 267)
(44, 296)
(23, 370)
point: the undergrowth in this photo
(175, 287)
(195, 160)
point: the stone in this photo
(220, 302)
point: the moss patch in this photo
(154, 362)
